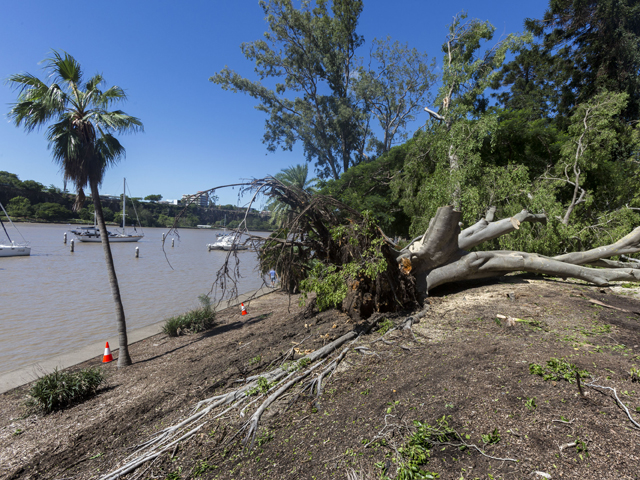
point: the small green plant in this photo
(262, 387)
(635, 374)
(417, 450)
(203, 467)
(531, 403)
(581, 447)
(60, 389)
(385, 326)
(303, 362)
(194, 321)
(177, 475)
(255, 360)
(265, 438)
(558, 370)
(393, 406)
(491, 438)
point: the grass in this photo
(194, 321)
(60, 389)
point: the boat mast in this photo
(3, 227)
(124, 200)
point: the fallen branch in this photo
(618, 401)
(164, 440)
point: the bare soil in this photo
(461, 362)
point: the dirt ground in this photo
(461, 364)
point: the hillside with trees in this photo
(31, 201)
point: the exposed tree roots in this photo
(276, 383)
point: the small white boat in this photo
(11, 248)
(92, 234)
(226, 241)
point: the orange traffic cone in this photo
(244, 310)
(107, 354)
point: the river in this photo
(55, 300)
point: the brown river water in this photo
(55, 300)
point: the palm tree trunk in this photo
(123, 354)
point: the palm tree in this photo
(295, 176)
(80, 134)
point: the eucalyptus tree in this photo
(80, 131)
(446, 166)
(311, 52)
(394, 87)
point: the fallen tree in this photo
(440, 255)
(340, 254)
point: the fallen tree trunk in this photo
(441, 255)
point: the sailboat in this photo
(12, 249)
(92, 234)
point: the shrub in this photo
(194, 321)
(60, 389)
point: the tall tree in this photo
(311, 53)
(81, 136)
(586, 47)
(446, 165)
(394, 87)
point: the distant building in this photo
(201, 199)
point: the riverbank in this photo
(462, 369)
(29, 373)
(57, 301)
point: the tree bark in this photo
(124, 359)
(440, 256)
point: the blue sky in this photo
(197, 136)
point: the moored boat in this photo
(10, 248)
(92, 234)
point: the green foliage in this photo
(255, 360)
(303, 362)
(265, 437)
(19, 207)
(262, 387)
(491, 438)
(194, 321)
(309, 51)
(153, 198)
(417, 450)
(395, 88)
(331, 282)
(558, 370)
(10, 179)
(634, 374)
(61, 389)
(385, 326)
(365, 187)
(33, 185)
(297, 177)
(202, 467)
(585, 47)
(51, 211)
(531, 403)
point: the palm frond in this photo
(110, 96)
(93, 83)
(63, 67)
(117, 121)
